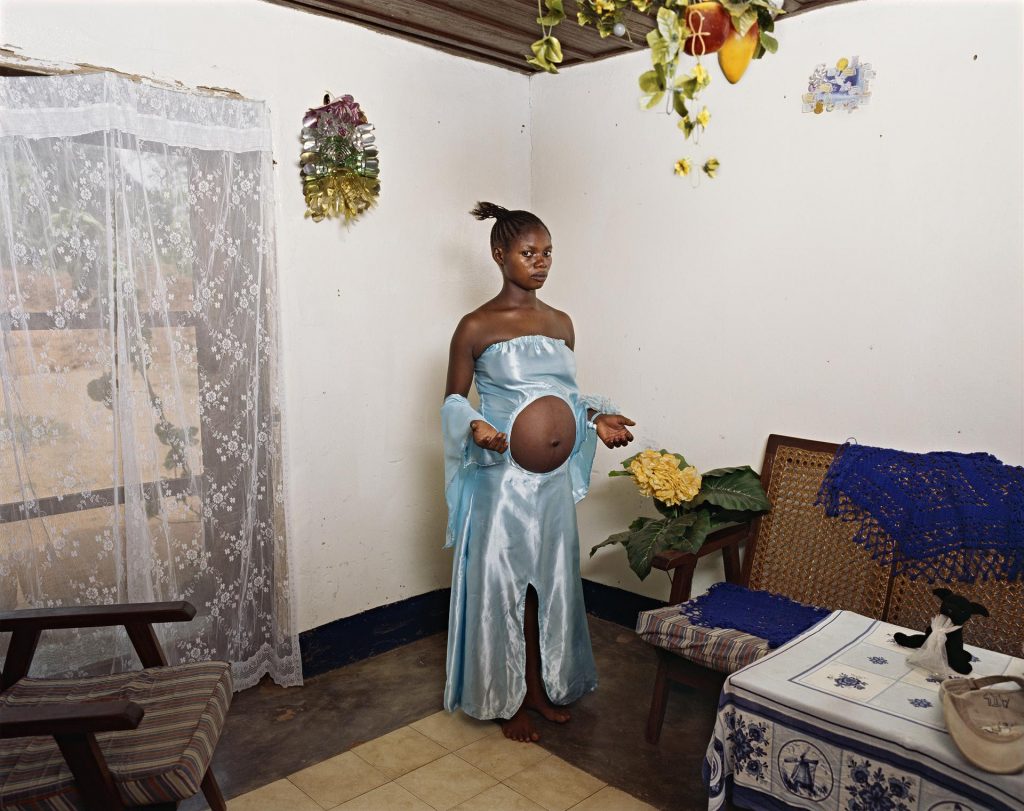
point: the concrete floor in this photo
(272, 732)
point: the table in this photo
(836, 719)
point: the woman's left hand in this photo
(612, 430)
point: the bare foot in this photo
(549, 711)
(519, 727)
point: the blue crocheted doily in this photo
(760, 613)
(950, 516)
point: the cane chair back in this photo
(913, 605)
(797, 550)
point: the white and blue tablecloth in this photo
(836, 719)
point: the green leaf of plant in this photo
(556, 13)
(611, 540)
(642, 546)
(769, 42)
(698, 531)
(640, 523)
(739, 490)
(664, 509)
(619, 473)
(725, 471)
(687, 125)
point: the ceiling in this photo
(498, 32)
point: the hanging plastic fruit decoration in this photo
(340, 167)
(738, 31)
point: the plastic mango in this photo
(736, 53)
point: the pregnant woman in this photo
(517, 629)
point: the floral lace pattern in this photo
(140, 430)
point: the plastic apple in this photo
(711, 26)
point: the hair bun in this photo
(486, 211)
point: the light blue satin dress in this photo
(512, 528)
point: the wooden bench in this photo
(796, 550)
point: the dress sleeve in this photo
(582, 463)
(600, 404)
(460, 453)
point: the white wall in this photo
(847, 274)
(367, 312)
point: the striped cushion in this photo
(721, 649)
(163, 760)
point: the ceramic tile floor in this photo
(441, 762)
(273, 733)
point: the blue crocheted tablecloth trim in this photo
(944, 515)
(772, 617)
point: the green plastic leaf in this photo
(739, 490)
(547, 52)
(769, 42)
(698, 531)
(687, 85)
(658, 46)
(647, 102)
(542, 64)
(668, 27)
(679, 105)
(556, 13)
(651, 82)
(687, 125)
(736, 7)
(743, 21)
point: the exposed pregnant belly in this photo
(543, 434)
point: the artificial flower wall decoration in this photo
(737, 30)
(340, 167)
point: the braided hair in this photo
(508, 224)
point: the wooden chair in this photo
(793, 550)
(797, 551)
(141, 739)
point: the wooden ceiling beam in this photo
(498, 32)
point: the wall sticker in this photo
(845, 86)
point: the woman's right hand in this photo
(485, 435)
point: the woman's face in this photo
(527, 260)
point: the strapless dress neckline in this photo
(522, 340)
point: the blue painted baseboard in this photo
(380, 629)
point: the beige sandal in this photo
(986, 725)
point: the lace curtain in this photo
(140, 431)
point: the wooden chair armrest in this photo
(727, 540)
(137, 619)
(57, 719)
(93, 616)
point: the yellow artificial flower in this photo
(683, 167)
(691, 482)
(658, 475)
(700, 74)
(604, 6)
(642, 5)
(710, 167)
(703, 117)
